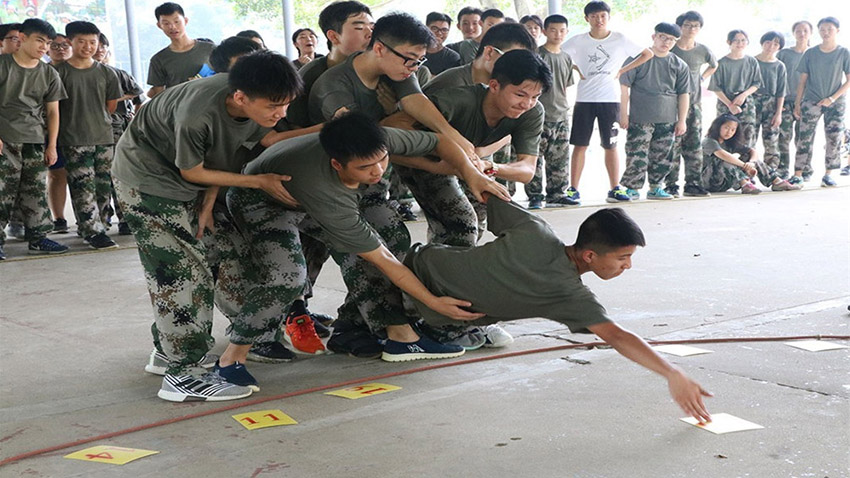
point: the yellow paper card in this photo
(366, 390)
(115, 455)
(723, 423)
(264, 419)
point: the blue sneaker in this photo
(796, 180)
(424, 348)
(237, 374)
(46, 246)
(633, 193)
(658, 193)
(535, 203)
(618, 194)
(573, 197)
(2, 253)
(827, 182)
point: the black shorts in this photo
(605, 115)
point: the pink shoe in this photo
(750, 188)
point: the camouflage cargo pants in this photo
(22, 188)
(833, 125)
(647, 154)
(789, 130)
(555, 152)
(719, 176)
(504, 156)
(397, 189)
(90, 182)
(688, 147)
(765, 111)
(747, 116)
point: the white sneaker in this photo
(496, 336)
(158, 362)
(208, 387)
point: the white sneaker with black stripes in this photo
(208, 387)
(158, 362)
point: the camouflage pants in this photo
(555, 152)
(647, 154)
(504, 156)
(765, 110)
(398, 190)
(833, 125)
(451, 218)
(789, 130)
(90, 182)
(480, 209)
(22, 188)
(719, 176)
(688, 147)
(747, 117)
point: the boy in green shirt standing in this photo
(770, 96)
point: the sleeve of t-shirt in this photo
(629, 78)
(781, 81)
(455, 47)
(755, 76)
(503, 216)
(571, 76)
(716, 83)
(571, 47)
(683, 78)
(525, 135)
(406, 87)
(113, 86)
(55, 88)
(710, 146)
(190, 144)
(346, 230)
(129, 85)
(845, 64)
(584, 310)
(803, 65)
(332, 95)
(410, 143)
(710, 58)
(156, 75)
(442, 101)
(631, 48)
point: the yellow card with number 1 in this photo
(264, 419)
(365, 390)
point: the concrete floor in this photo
(74, 330)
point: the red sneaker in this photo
(302, 335)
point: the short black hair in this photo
(517, 66)
(690, 16)
(80, 28)
(251, 34)
(37, 25)
(732, 34)
(773, 35)
(596, 6)
(298, 32)
(555, 18)
(491, 12)
(802, 22)
(732, 144)
(668, 29)
(506, 35)
(532, 18)
(333, 16)
(168, 8)
(438, 17)
(228, 48)
(351, 136)
(608, 229)
(265, 74)
(102, 39)
(832, 20)
(468, 11)
(399, 28)
(8, 27)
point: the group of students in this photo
(238, 186)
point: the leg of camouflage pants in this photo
(316, 253)
(810, 113)
(658, 159)
(480, 212)
(788, 130)
(638, 139)
(179, 278)
(81, 163)
(689, 148)
(833, 125)
(398, 191)
(555, 153)
(451, 219)
(765, 111)
(747, 117)
(718, 175)
(22, 188)
(103, 180)
(504, 156)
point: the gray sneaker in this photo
(473, 339)
(158, 362)
(207, 387)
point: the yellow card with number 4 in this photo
(264, 419)
(366, 390)
(114, 455)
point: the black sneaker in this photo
(406, 213)
(535, 203)
(674, 190)
(60, 226)
(355, 342)
(2, 254)
(237, 374)
(422, 349)
(124, 229)
(101, 241)
(46, 246)
(323, 319)
(321, 330)
(695, 190)
(270, 352)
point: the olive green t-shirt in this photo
(317, 188)
(461, 106)
(467, 49)
(773, 79)
(181, 128)
(555, 101)
(523, 273)
(23, 93)
(170, 68)
(340, 87)
(826, 71)
(83, 118)
(457, 76)
(655, 87)
(298, 112)
(696, 57)
(128, 87)
(442, 60)
(791, 58)
(733, 77)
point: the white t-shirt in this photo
(599, 61)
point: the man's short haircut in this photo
(506, 35)
(609, 229)
(491, 13)
(399, 28)
(352, 136)
(231, 47)
(80, 28)
(5, 28)
(773, 35)
(730, 37)
(517, 66)
(832, 20)
(690, 16)
(802, 22)
(596, 6)
(250, 34)
(265, 74)
(532, 18)
(102, 39)
(37, 25)
(468, 11)
(438, 17)
(555, 19)
(168, 8)
(333, 16)
(668, 29)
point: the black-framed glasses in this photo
(408, 62)
(59, 46)
(436, 29)
(13, 38)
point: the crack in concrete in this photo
(563, 339)
(761, 380)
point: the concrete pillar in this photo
(289, 26)
(554, 7)
(133, 41)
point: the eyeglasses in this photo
(666, 38)
(59, 46)
(13, 38)
(500, 52)
(692, 26)
(443, 31)
(408, 62)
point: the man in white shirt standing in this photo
(598, 55)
